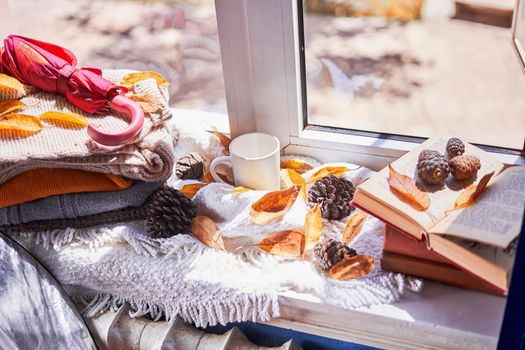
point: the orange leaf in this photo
(225, 140)
(353, 227)
(273, 205)
(204, 229)
(405, 187)
(10, 106)
(191, 190)
(148, 102)
(209, 179)
(313, 226)
(21, 123)
(350, 268)
(11, 84)
(284, 243)
(130, 79)
(297, 166)
(327, 171)
(291, 178)
(66, 117)
(469, 194)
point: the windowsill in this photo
(440, 317)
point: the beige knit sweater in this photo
(149, 157)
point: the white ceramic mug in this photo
(255, 161)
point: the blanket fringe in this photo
(260, 307)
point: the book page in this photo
(441, 198)
(496, 215)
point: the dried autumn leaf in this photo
(297, 166)
(204, 229)
(327, 171)
(291, 178)
(225, 140)
(66, 117)
(11, 84)
(351, 268)
(405, 187)
(130, 79)
(149, 102)
(209, 179)
(10, 106)
(21, 123)
(353, 227)
(191, 190)
(273, 205)
(313, 226)
(240, 189)
(469, 194)
(284, 243)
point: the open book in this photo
(493, 219)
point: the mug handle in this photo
(217, 161)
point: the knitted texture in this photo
(74, 206)
(106, 266)
(41, 183)
(149, 157)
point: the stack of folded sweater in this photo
(60, 178)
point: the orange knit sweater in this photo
(42, 182)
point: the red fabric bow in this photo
(53, 69)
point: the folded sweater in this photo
(77, 205)
(149, 157)
(41, 183)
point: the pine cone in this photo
(330, 252)
(464, 167)
(333, 195)
(190, 166)
(432, 167)
(455, 147)
(168, 212)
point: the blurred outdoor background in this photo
(411, 67)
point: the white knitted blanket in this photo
(106, 266)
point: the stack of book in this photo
(471, 247)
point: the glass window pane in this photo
(414, 67)
(177, 38)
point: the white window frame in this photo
(260, 43)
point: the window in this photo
(178, 39)
(413, 67)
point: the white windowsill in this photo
(440, 317)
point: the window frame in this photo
(266, 36)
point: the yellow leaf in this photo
(284, 243)
(204, 229)
(191, 190)
(273, 205)
(149, 102)
(225, 140)
(353, 227)
(353, 267)
(20, 123)
(240, 189)
(469, 194)
(66, 117)
(327, 171)
(405, 188)
(130, 79)
(290, 178)
(11, 84)
(10, 106)
(313, 226)
(297, 166)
